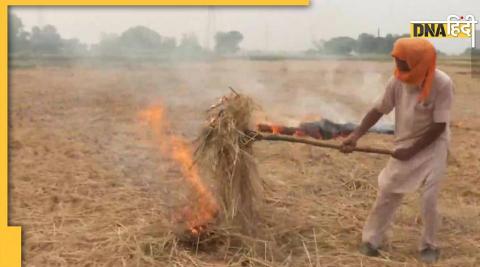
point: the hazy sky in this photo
(273, 28)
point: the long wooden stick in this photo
(274, 137)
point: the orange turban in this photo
(420, 56)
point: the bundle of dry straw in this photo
(225, 152)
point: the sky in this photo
(264, 28)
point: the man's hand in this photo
(349, 144)
(404, 154)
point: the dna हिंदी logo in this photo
(454, 27)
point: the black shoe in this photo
(430, 255)
(367, 249)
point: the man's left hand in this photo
(404, 154)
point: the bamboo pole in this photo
(274, 137)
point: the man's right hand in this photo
(349, 144)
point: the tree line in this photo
(364, 44)
(40, 40)
(135, 41)
(141, 41)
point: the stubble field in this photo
(90, 188)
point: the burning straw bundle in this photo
(226, 153)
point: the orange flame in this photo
(179, 150)
(276, 129)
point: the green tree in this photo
(339, 45)
(140, 39)
(228, 42)
(385, 44)
(189, 44)
(135, 41)
(168, 44)
(367, 44)
(107, 46)
(144, 40)
(17, 36)
(46, 40)
(74, 47)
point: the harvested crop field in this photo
(90, 186)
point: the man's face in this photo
(402, 65)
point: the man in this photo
(422, 97)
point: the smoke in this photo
(286, 91)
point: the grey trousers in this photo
(383, 211)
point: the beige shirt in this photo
(412, 120)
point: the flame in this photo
(270, 127)
(276, 129)
(176, 147)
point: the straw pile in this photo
(225, 152)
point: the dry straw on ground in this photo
(90, 189)
(225, 152)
